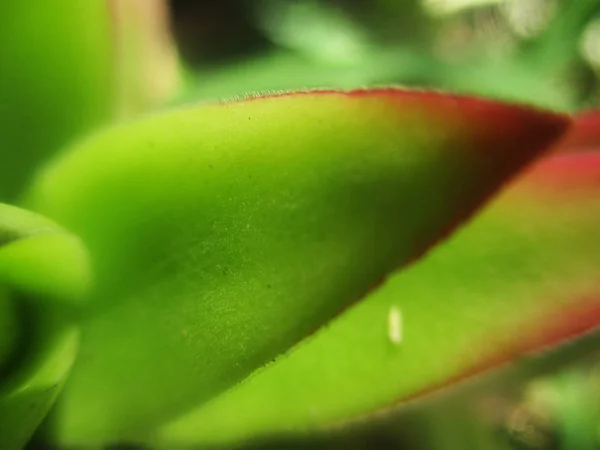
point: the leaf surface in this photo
(224, 234)
(522, 276)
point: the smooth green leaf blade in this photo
(223, 234)
(521, 277)
(43, 277)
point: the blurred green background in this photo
(545, 52)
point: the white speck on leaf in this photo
(395, 331)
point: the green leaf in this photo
(521, 277)
(223, 234)
(55, 80)
(43, 276)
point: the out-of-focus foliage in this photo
(545, 52)
(68, 67)
(44, 274)
(48, 97)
